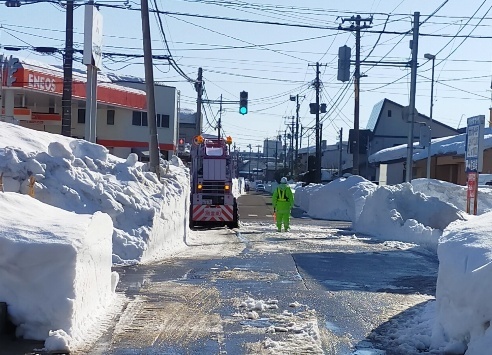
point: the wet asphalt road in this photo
(348, 291)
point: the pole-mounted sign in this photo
(473, 158)
(93, 60)
(93, 36)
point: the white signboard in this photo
(474, 144)
(93, 36)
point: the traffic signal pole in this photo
(355, 145)
(243, 107)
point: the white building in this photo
(272, 148)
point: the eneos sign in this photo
(41, 82)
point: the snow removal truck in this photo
(212, 170)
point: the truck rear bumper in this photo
(213, 213)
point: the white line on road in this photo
(252, 215)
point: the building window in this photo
(81, 115)
(389, 113)
(163, 121)
(110, 117)
(139, 118)
(51, 110)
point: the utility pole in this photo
(318, 147)
(66, 128)
(249, 164)
(285, 148)
(355, 146)
(413, 90)
(429, 156)
(297, 132)
(219, 123)
(276, 152)
(340, 168)
(292, 150)
(199, 93)
(317, 85)
(149, 83)
(258, 161)
(300, 138)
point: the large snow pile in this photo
(397, 210)
(238, 186)
(83, 177)
(55, 270)
(453, 194)
(412, 216)
(341, 199)
(169, 227)
(464, 310)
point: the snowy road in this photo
(318, 289)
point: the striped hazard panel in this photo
(218, 213)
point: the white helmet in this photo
(283, 180)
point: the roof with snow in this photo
(327, 148)
(79, 74)
(187, 116)
(452, 145)
(378, 109)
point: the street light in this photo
(433, 58)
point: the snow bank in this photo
(399, 213)
(238, 186)
(464, 310)
(83, 177)
(341, 199)
(65, 260)
(170, 226)
(453, 194)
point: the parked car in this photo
(260, 188)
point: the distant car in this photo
(488, 184)
(260, 187)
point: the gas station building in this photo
(32, 97)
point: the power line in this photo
(172, 62)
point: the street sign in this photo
(471, 193)
(474, 144)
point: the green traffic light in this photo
(243, 110)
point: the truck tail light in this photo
(199, 186)
(227, 187)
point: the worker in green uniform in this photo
(283, 201)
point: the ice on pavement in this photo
(301, 327)
(79, 186)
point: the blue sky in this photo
(271, 62)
